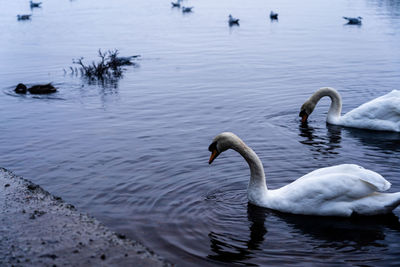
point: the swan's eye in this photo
(212, 147)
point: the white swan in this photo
(340, 190)
(382, 113)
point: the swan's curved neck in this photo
(257, 186)
(336, 105)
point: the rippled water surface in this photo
(133, 152)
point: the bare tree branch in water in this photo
(110, 65)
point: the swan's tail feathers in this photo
(394, 203)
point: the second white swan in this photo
(341, 190)
(382, 113)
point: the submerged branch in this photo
(110, 65)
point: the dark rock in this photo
(6, 185)
(39, 213)
(51, 256)
(121, 236)
(70, 206)
(32, 187)
(103, 257)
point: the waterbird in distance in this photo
(186, 9)
(24, 17)
(176, 4)
(233, 20)
(355, 21)
(273, 15)
(35, 4)
(39, 89)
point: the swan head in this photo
(306, 109)
(223, 142)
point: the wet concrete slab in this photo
(40, 229)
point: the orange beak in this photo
(304, 118)
(214, 155)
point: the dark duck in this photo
(39, 89)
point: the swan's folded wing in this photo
(382, 113)
(375, 180)
(347, 175)
(329, 191)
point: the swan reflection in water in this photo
(331, 233)
(228, 247)
(321, 144)
(384, 141)
(388, 142)
(338, 231)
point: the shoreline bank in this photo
(38, 228)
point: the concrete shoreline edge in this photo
(40, 229)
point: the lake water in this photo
(133, 152)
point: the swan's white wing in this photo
(344, 182)
(327, 191)
(382, 113)
(350, 172)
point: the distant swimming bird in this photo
(356, 21)
(273, 15)
(233, 20)
(35, 4)
(122, 61)
(177, 4)
(186, 9)
(380, 114)
(39, 89)
(24, 17)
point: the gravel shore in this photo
(39, 229)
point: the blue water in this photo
(133, 152)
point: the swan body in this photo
(382, 113)
(233, 20)
(341, 190)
